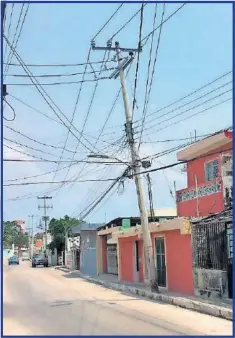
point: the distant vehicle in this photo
(25, 256)
(13, 260)
(38, 260)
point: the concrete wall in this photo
(52, 258)
(68, 260)
(88, 258)
(211, 283)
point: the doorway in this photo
(160, 258)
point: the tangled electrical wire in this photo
(13, 110)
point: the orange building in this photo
(172, 254)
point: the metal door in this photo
(89, 266)
(112, 262)
(160, 260)
(229, 233)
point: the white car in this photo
(25, 257)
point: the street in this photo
(45, 301)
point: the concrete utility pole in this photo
(150, 271)
(45, 217)
(149, 182)
(31, 237)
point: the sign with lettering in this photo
(202, 191)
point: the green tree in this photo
(58, 229)
(37, 236)
(12, 234)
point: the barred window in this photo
(212, 170)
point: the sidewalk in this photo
(222, 309)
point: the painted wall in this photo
(126, 258)
(88, 258)
(178, 260)
(212, 203)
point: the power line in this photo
(145, 39)
(73, 115)
(9, 28)
(183, 162)
(185, 111)
(176, 139)
(59, 83)
(32, 148)
(138, 58)
(60, 65)
(190, 94)
(148, 74)
(51, 118)
(87, 115)
(95, 189)
(126, 23)
(43, 93)
(196, 114)
(187, 103)
(63, 75)
(80, 89)
(17, 26)
(103, 195)
(21, 28)
(153, 70)
(107, 119)
(40, 159)
(107, 22)
(36, 141)
(57, 182)
(145, 172)
(43, 174)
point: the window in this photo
(212, 170)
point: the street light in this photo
(106, 157)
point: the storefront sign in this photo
(204, 190)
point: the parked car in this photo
(38, 260)
(13, 260)
(25, 256)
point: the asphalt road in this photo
(44, 301)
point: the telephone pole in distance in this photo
(32, 232)
(150, 271)
(45, 207)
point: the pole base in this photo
(154, 286)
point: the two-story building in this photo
(209, 176)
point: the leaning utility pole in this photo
(150, 271)
(45, 217)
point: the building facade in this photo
(171, 241)
(209, 176)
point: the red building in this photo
(209, 176)
(172, 254)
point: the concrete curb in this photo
(185, 303)
(189, 304)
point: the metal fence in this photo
(210, 244)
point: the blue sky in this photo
(195, 48)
